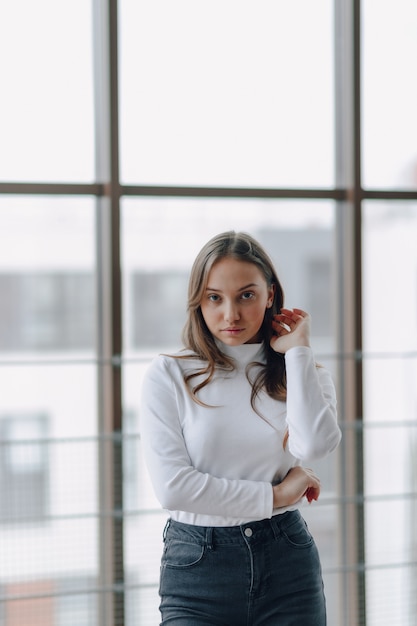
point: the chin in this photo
(232, 341)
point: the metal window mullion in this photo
(176, 191)
(358, 273)
(109, 305)
(349, 314)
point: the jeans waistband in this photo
(226, 535)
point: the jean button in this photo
(248, 532)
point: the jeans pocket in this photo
(181, 554)
(297, 534)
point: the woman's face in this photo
(235, 300)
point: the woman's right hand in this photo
(299, 482)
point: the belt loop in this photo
(209, 537)
(167, 525)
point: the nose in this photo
(231, 313)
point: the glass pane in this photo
(391, 556)
(390, 436)
(49, 505)
(390, 598)
(389, 94)
(49, 486)
(227, 93)
(52, 574)
(390, 309)
(160, 240)
(41, 431)
(46, 124)
(393, 437)
(161, 237)
(47, 284)
(390, 276)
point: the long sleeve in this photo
(311, 407)
(179, 485)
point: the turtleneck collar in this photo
(243, 354)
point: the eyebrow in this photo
(240, 289)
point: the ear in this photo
(271, 295)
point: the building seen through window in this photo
(24, 468)
(46, 311)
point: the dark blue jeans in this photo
(260, 574)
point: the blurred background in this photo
(131, 132)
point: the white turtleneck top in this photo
(215, 466)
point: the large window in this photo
(131, 132)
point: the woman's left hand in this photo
(291, 328)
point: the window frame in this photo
(347, 193)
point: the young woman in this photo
(227, 425)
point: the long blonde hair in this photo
(198, 339)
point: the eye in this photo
(213, 297)
(247, 295)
